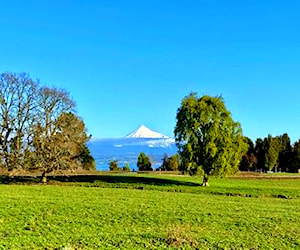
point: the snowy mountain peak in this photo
(144, 132)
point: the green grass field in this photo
(154, 212)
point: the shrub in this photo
(113, 165)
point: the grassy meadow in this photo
(133, 211)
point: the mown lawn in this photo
(160, 212)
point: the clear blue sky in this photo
(128, 63)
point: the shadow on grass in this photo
(112, 179)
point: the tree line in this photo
(39, 128)
(143, 164)
(271, 154)
(276, 154)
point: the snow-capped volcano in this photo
(128, 148)
(144, 132)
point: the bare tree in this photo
(38, 129)
(52, 102)
(17, 114)
(56, 133)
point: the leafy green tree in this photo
(249, 159)
(285, 153)
(260, 154)
(295, 160)
(272, 148)
(113, 165)
(164, 164)
(207, 137)
(144, 163)
(126, 167)
(173, 163)
(170, 163)
(273, 153)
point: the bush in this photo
(113, 165)
(126, 167)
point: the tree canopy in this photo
(275, 154)
(170, 163)
(207, 137)
(249, 159)
(113, 165)
(144, 163)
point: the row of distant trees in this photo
(171, 163)
(39, 129)
(272, 154)
(143, 164)
(114, 166)
(276, 154)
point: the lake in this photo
(127, 150)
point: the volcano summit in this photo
(127, 149)
(144, 132)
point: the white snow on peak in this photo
(144, 132)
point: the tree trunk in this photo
(205, 181)
(44, 178)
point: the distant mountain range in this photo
(127, 149)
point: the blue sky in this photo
(128, 63)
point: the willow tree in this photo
(207, 137)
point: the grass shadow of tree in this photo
(5, 179)
(125, 179)
(111, 179)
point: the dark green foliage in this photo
(113, 165)
(285, 153)
(207, 137)
(260, 154)
(295, 164)
(144, 163)
(276, 153)
(126, 167)
(170, 163)
(249, 159)
(173, 163)
(86, 159)
(164, 164)
(272, 148)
